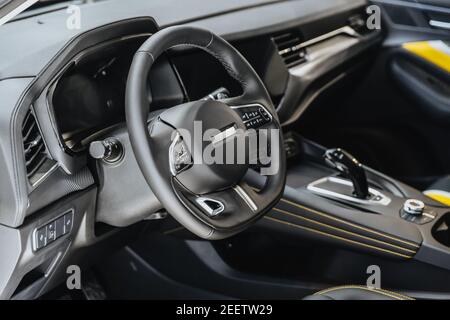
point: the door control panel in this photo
(53, 230)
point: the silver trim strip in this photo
(440, 24)
(45, 175)
(49, 156)
(16, 11)
(426, 214)
(249, 201)
(344, 30)
(314, 187)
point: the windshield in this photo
(45, 3)
(16, 9)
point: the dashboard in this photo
(74, 82)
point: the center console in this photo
(332, 198)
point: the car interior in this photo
(96, 173)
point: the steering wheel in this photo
(211, 199)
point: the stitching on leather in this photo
(225, 64)
(342, 230)
(345, 222)
(350, 224)
(340, 238)
(387, 293)
(210, 41)
(326, 215)
(148, 53)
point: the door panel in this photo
(422, 70)
(418, 61)
(414, 20)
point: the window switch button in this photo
(51, 232)
(68, 222)
(41, 238)
(59, 227)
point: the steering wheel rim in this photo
(151, 145)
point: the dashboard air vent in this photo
(289, 47)
(34, 146)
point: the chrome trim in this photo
(211, 212)
(440, 24)
(426, 214)
(52, 266)
(48, 154)
(160, 215)
(249, 201)
(16, 11)
(45, 175)
(344, 30)
(414, 207)
(314, 187)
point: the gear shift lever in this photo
(345, 163)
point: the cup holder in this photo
(441, 230)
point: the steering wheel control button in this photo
(109, 150)
(264, 114)
(179, 156)
(59, 227)
(414, 207)
(254, 116)
(211, 207)
(52, 231)
(68, 222)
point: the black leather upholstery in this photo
(356, 293)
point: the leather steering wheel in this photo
(211, 200)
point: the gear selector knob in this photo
(351, 168)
